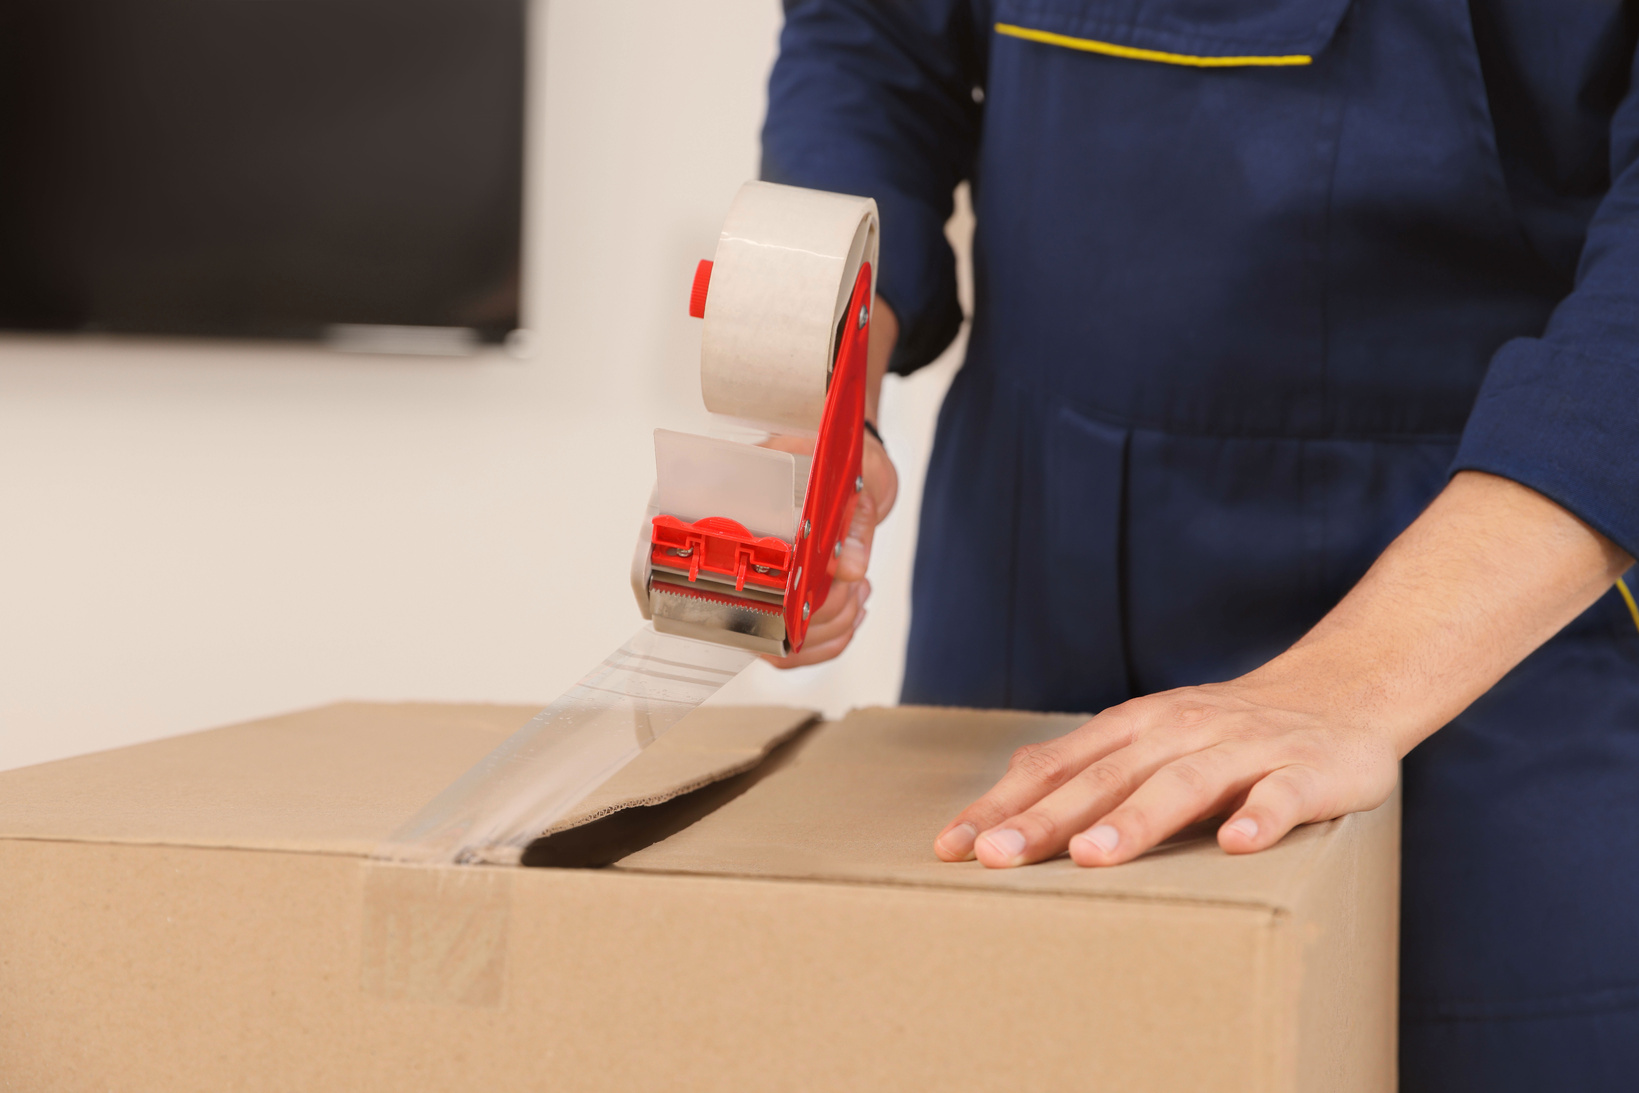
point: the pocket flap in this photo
(1203, 33)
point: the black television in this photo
(261, 168)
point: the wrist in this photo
(1340, 678)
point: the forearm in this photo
(1485, 575)
(1490, 571)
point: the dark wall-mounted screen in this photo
(260, 168)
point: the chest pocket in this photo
(1197, 33)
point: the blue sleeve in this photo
(878, 99)
(1560, 413)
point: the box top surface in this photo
(338, 779)
(866, 796)
(859, 802)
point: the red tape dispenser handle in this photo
(835, 478)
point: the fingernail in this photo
(860, 618)
(1246, 827)
(1006, 842)
(958, 841)
(1104, 838)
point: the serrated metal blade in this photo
(709, 616)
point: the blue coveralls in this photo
(1238, 319)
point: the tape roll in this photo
(784, 268)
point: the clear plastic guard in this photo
(701, 476)
(534, 778)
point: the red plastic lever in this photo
(702, 283)
(834, 481)
(720, 546)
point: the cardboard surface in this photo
(155, 934)
(338, 779)
(869, 793)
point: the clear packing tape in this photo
(536, 776)
(783, 273)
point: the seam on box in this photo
(1263, 972)
(1279, 993)
(1306, 870)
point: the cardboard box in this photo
(200, 914)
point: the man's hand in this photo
(1488, 573)
(1137, 773)
(833, 625)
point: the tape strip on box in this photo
(541, 772)
(436, 935)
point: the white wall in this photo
(192, 534)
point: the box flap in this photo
(865, 797)
(710, 745)
(340, 778)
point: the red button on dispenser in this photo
(702, 282)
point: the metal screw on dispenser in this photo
(760, 568)
(804, 610)
(859, 483)
(864, 316)
(836, 551)
(805, 529)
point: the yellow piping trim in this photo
(1110, 49)
(1633, 608)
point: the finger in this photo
(825, 639)
(1035, 771)
(1280, 801)
(813, 653)
(840, 621)
(1189, 788)
(845, 605)
(1045, 829)
(842, 596)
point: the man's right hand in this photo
(833, 625)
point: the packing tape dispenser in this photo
(741, 542)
